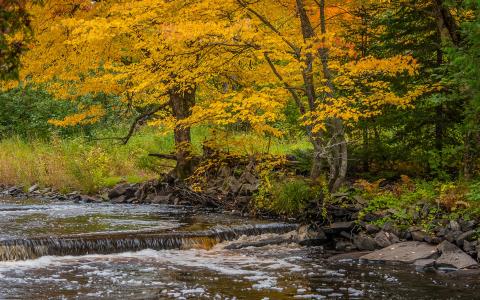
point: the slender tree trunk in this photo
(366, 148)
(340, 159)
(182, 104)
(331, 146)
(439, 111)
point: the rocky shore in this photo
(450, 247)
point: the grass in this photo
(80, 163)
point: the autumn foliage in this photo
(183, 63)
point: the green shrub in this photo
(291, 197)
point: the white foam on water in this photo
(309, 296)
(256, 268)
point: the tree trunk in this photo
(340, 151)
(182, 104)
(366, 149)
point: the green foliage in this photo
(14, 19)
(25, 112)
(303, 158)
(420, 203)
(474, 192)
(290, 198)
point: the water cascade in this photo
(31, 248)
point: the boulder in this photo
(364, 242)
(309, 236)
(467, 225)
(454, 226)
(433, 239)
(406, 252)
(161, 199)
(372, 229)
(339, 227)
(424, 264)
(453, 235)
(119, 190)
(118, 200)
(343, 245)
(385, 239)
(260, 243)
(418, 236)
(90, 199)
(347, 256)
(454, 257)
(466, 236)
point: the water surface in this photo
(274, 272)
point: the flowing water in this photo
(90, 251)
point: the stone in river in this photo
(452, 256)
(406, 252)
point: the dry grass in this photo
(88, 166)
(69, 165)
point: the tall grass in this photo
(87, 165)
(73, 164)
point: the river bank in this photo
(246, 267)
(344, 231)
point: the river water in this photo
(203, 272)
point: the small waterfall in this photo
(31, 248)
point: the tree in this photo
(159, 57)
(189, 62)
(332, 85)
(14, 35)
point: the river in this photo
(200, 270)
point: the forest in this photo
(351, 91)
(287, 109)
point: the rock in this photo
(454, 226)
(348, 256)
(467, 225)
(360, 200)
(453, 235)
(372, 229)
(33, 188)
(161, 199)
(231, 184)
(248, 177)
(371, 217)
(388, 227)
(89, 199)
(339, 227)
(309, 236)
(441, 231)
(422, 265)
(406, 252)
(343, 245)
(454, 257)
(118, 191)
(418, 236)
(364, 242)
(385, 239)
(469, 247)
(348, 236)
(141, 194)
(433, 240)
(120, 199)
(248, 189)
(464, 236)
(261, 243)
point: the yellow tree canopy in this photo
(244, 59)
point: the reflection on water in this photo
(274, 272)
(35, 217)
